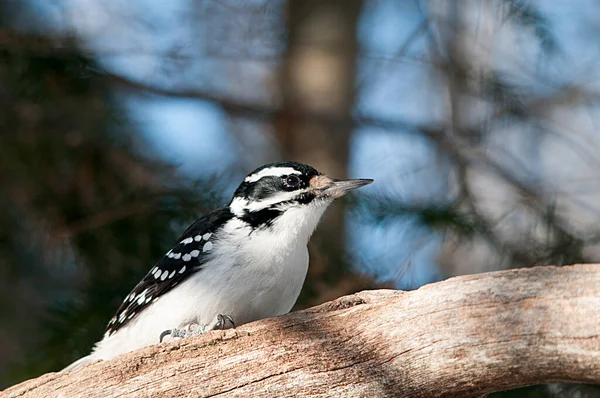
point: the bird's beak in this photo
(332, 188)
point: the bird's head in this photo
(292, 192)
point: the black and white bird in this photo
(243, 262)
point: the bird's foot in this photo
(220, 322)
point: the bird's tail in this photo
(81, 362)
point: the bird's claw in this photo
(166, 333)
(222, 321)
(219, 323)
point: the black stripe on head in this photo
(266, 217)
(305, 198)
(260, 184)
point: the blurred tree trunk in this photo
(317, 79)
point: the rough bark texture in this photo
(462, 337)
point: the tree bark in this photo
(463, 337)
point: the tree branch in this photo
(464, 337)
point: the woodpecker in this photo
(241, 263)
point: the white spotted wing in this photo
(187, 257)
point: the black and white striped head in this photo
(274, 189)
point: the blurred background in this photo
(122, 121)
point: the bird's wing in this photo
(184, 259)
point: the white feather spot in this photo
(186, 257)
(157, 274)
(172, 274)
(148, 299)
(141, 299)
(131, 315)
(182, 270)
(164, 275)
(170, 254)
(187, 241)
(122, 316)
(207, 246)
(153, 270)
(197, 238)
(176, 256)
(195, 253)
(206, 236)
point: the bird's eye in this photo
(292, 181)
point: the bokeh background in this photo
(122, 121)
